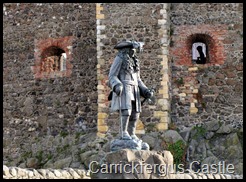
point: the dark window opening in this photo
(53, 59)
(200, 45)
(199, 53)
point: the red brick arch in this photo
(185, 36)
(49, 47)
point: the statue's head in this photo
(133, 45)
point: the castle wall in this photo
(35, 105)
(41, 102)
(142, 22)
(213, 91)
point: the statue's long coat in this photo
(122, 71)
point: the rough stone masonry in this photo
(70, 102)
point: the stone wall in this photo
(33, 107)
(214, 91)
(69, 173)
(142, 22)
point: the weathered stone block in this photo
(193, 110)
(162, 126)
(193, 69)
(100, 16)
(159, 114)
(102, 128)
(140, 158)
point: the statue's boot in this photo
(132, 125)
(125, 134)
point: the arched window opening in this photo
(200, 48)
(53, 59)
(199, 53)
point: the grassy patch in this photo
(178, 149)
(63, 134)
(200, 131)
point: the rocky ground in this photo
(207, 144)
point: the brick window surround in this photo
(49, 48)
(211, 36)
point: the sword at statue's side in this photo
(121, 127)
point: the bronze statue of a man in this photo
(127, 87)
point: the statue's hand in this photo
(118, 89)
(148, 93)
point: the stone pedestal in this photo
(119, 144)
(134, 164)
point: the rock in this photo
(12, 171)
(139, 163)
(179, 176)
(150, 140)
(209, 161)
(239, 168)
(42, 120)
(154, 134)
(227, 176)
(36, 174)
(185, 134)
(210, 176)
(212, 125)
(86, 155)
(66, 175)
(49, 164)
(187, 176)
(217, 176)
(191, 149)
(63, 163)
(209, 135)
(73, 173)
(172, 136)
(32, 163)
(234, 152)
(194, 175)
(30, 174)
(21, 172)
(232, 139)
(28, 106)
(42, 172)
(57, 173)
(224, 129)
(94, 157)
(238, 176)
(22, 165)
(50, 175)
(222, 176)
(201, 148)
(204, 176)
(75, 164)
(209, 153)
(6, 170)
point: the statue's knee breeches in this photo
(126, 112)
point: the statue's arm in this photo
(114, 72)
(142, 87)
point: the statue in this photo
(127, 87)
(202, 58)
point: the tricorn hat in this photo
(124, 44)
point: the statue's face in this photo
(132, 52)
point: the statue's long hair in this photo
(132, 63)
